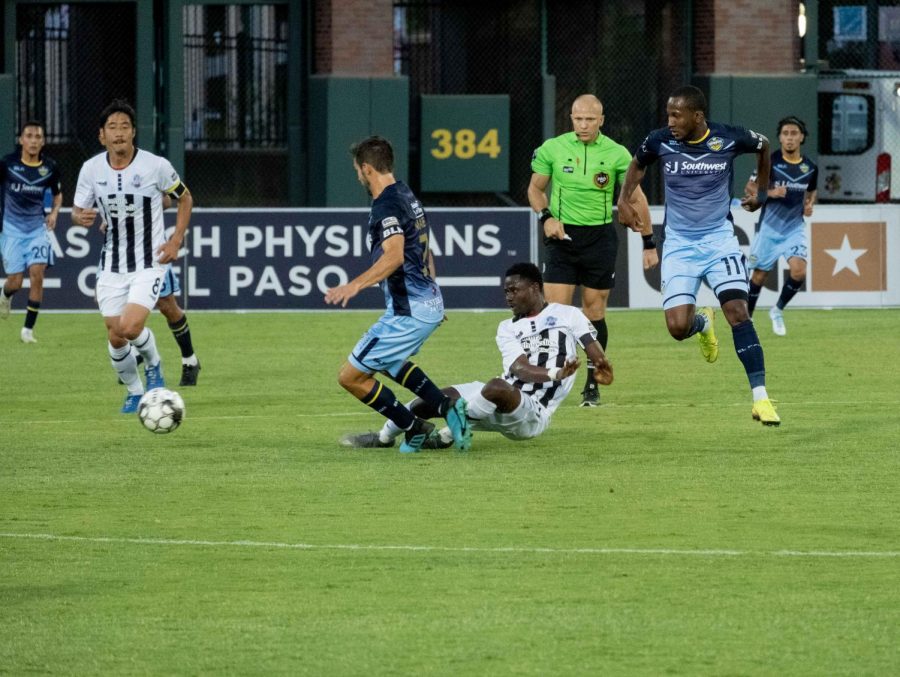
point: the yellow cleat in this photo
(709, 344)
(764, 412)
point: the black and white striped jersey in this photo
(130, 202)
(547, 339)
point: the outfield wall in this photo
(284, 259)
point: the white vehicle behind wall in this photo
(859, 136)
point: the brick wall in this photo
(354, 37)
(745, 36)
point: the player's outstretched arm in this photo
(523, 370)
(603, 371)
(390, 260)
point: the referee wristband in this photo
(545, 214)
(762, 196)
(649, 242)
(553, 373)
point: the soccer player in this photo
(579, 236)
(398, 235)
(697, 164)
(127, 184)
(781, 230)
(537, 346)
(24, 241)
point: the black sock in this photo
(34, 307)
(697, 326)
(602, 339)
(182, 333)
(750, 352)
(416, 381)
(383, 400)
(790, 288)
(755, 289)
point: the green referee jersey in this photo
(583, 176)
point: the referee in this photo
(581, 243)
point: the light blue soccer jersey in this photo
(698, 176)
(410, 290)
(800, 178)
(22, 201)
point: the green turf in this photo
(663, 533)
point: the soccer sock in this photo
(698, 325)
(33, 308)
(126, 367)
(182, 333)
(603, 339)
(790, 288)
(755, 289)
(146, 345)
(750, 352)
(479, 407)
(383, 400)
(415, 380)
(389, 431)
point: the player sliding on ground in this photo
(538, 346)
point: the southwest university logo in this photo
(848, 256)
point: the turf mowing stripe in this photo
(435, 548)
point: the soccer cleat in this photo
(154, 377)
(439, 439)
(777, 318)
(189, 373)
(764, 412)
(131, 403)
(590, 396)
(415, 437)
(365, 441)
(459, 424)
(5, 304)
(709, 344)
(27, 335)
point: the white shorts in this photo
(116, 290)
(528, 420)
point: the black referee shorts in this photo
(589, 259)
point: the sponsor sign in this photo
(849, 250)
(285, 259)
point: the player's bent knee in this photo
(678, 329)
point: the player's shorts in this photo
(528, 420)
(685, 263)
(769, 244)
(116, 290)
(389, 343)
(20, 253)
(170, 284)
(588, 259)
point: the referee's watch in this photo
(544, 215)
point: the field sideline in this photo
(664, 532)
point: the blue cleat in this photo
(155, 376)
(131, 403)
(416, 436)
(459, 425)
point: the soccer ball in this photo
(161, 410)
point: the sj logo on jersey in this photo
(849, 256)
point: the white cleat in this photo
(27, 336)
(777, 318)
(5, 303)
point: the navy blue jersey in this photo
(800, 178)
(698, 176)
(409, 290)
(22, 194)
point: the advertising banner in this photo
(285, 259)
(850, 250)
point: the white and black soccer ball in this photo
(161, 410)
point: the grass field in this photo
(663, 533)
